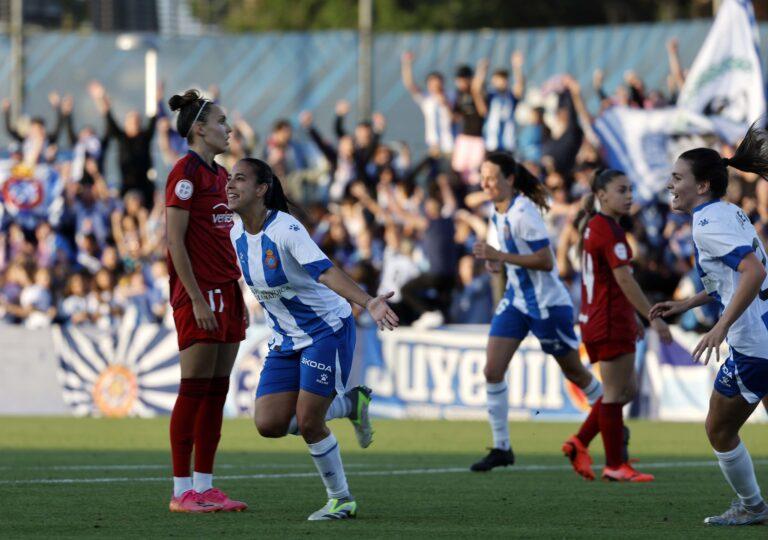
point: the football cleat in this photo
(192, 502)
(581, 461)
(345, 508)
(625, 473)
(216, 496)
(361, 421)
(738, 514)
(495, 458)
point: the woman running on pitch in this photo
(535, 301)
(731, 261)
(610, 297)
(303, 382)
(208, 307)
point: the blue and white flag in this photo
(644, 143)
(726, 79)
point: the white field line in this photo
(395, 472)
(147, 467)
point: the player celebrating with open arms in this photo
(535, 299)
(208, 306)
(306, 298)
(731, 261)
(610, 297)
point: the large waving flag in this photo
(726, 79)
(644, 143)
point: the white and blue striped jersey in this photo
(521, 230)
(499, 129)
(722, 237)
(281, 266)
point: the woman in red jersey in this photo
(208, 306)
(610, 299)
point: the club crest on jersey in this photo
(184, 189)
(270, 259)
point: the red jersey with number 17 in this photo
(606, 314)
(200, 189)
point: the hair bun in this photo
(177, 102)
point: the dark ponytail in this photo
(751, 156)
(602, 178)
(192, 108)
(525, 182)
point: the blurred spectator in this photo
(133, 146)
(74, 306)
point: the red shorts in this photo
(229, 308)
(602, 351)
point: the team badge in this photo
(621, 251)
(184, 189)
(270, 259)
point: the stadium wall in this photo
(274, 75)
(133, 371)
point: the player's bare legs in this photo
(724, 420)
(499, 353)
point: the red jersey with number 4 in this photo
(606, 314)
(196, 187)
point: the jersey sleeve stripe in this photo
(316, 268)
(536, 245)
(734, 258)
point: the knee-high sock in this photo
(182, 430)
(327, 458)
(208, 425)
(498, 412)
(612, 430)
(591, 426)
(740, 473)
(341, 407)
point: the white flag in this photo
(726, 79)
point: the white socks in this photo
(181, 484)
(202, 481)
(498, 411)
(593, 391)
(327, 459)
(740, 473)
(341, 407)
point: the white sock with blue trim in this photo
(498, 411)
(740, 473)
(341, 407)
(327, 458)
(593, 391)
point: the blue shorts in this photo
(322, 368)
(555, 334)
(743, 375)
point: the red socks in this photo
(591, 426)
(192, 392)
(208, 426)
(612, 429)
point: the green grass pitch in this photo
(76, 478)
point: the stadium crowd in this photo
(82, 241)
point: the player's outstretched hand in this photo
(204, 316)
(384, 316)
(711, 341)
(662, 329)
(666, 309)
